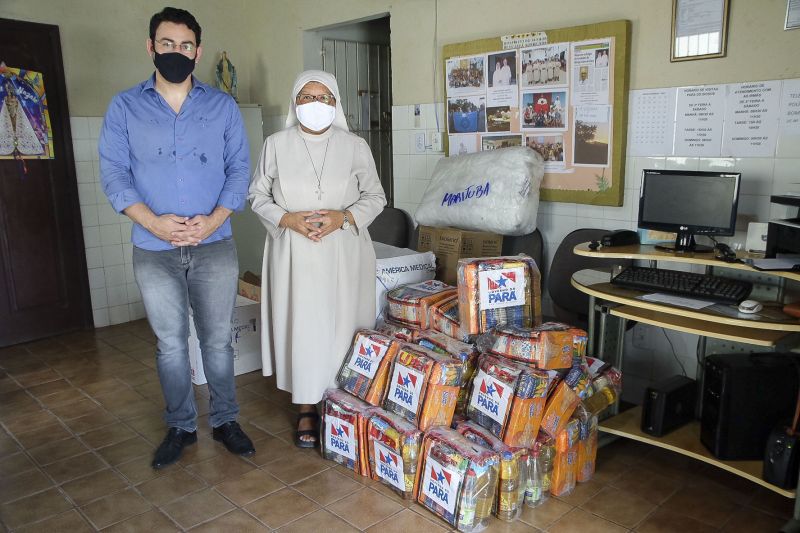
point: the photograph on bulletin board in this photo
(466, 114)
(544, 66)
(560, 98)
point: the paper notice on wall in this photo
(751, 119)
(699, 114)
(652, 122)
(790, 108)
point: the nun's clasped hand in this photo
(328, 221)
(301, 222)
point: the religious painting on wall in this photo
(25, 129)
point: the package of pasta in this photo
(444, 317)
(551, 345)
(365, 369)
(498, 290)
(559, 407)
(393, 444)
(579, 379)
(408, 305)
(466, 353)
(587, 448)
(396, 331)
(344, 430)
(457, 479)
(565, 462)
(423, 386)
(513, 472)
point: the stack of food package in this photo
(343, 430)
(457, 479)
(498, 290)
(423, 386)
(508, 398)
(393, 444)
(444, 318)
(409, 305)
(513, 477)
(464, 352)
(365, 368)
(532, 396)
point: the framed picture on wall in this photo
(699, 29)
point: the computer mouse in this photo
(750, 306)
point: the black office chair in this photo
(530, 244)
(393, 227)
(569, 304)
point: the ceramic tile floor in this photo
(80, 418)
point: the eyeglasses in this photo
(170, 45)
(308, 98)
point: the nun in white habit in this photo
(316, 190)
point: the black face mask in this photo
(174, 67)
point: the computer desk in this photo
(611, 300)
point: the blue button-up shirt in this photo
(185, 163)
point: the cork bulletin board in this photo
(562, 92)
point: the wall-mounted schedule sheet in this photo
(751, 119)
(699, 114)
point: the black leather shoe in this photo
(231, 435)
(171, 447)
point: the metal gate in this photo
(365, 83)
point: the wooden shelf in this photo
(648, 252)
(757, 337)
(589, 283)
(686, 441)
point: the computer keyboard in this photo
(687, 284)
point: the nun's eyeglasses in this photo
(327, 99)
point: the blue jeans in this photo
(205, 278)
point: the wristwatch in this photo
(346, 223)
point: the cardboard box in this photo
(450, 244)
(245, 339)
(250, 286)
(399, 266)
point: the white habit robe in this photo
(315, 295)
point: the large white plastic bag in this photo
(495, 190)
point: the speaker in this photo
(744, 398)
(668, 405)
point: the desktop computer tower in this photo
(744, 398)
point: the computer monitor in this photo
(689, 203)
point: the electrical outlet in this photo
(639, 337)
(419, 142)
(435, 141)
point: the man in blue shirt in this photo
(174, 159)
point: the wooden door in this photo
(44, 288)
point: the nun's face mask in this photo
(316, 106)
